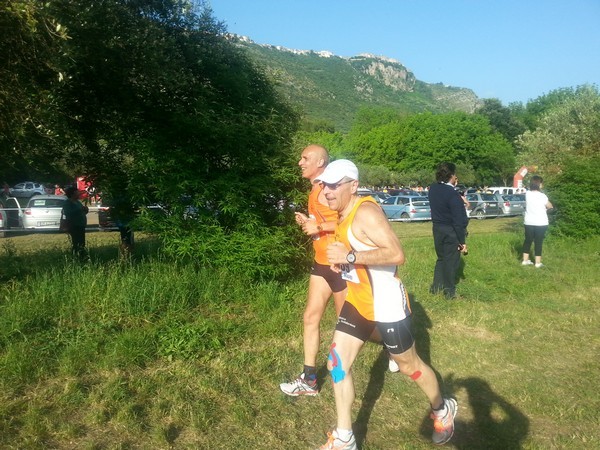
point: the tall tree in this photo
(535, 109)
(157, 95)
(421, 141)
(501, 119)
(30, 43)
(566, 148)
(570, 128)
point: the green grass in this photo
(158, 354)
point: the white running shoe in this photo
(538, 265)
(393, 365)
(335, 443)
(527, 262)
(300, 386)
(443, 427)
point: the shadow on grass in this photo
(512, 226)
(372, 394)
(518, 249)
(420, 326)
(496, 424)
(421, 323)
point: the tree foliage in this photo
(154, 104)
(151, 100)
(157, 96)
(566, 149)
(421, 141)
(30, 42)
(535, 109)
(574, 194)
(568, 129)
(502, 119)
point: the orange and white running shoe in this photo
(335, 443)
(443, 427)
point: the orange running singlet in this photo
(321, 213)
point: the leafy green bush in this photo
(574, 194)
(253, 250)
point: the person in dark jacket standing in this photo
(75, 214)
(449, 229)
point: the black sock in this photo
(441, 407)
(310, 373)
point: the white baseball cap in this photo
(338, 170)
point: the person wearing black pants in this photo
(535, 220)
(76, 220)
(450, 222)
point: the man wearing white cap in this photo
(367, 253)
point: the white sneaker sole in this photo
(298, 393)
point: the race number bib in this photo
(349, 273)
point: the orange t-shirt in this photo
(321, 213)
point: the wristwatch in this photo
(351, 257)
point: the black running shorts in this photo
(396, 336)
(334, 280)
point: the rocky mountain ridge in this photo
(331, 88)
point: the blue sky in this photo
(514, 50)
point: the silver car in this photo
(406, 208)
(512, 204)
(43, 212)
(28, 189)
(483, 205)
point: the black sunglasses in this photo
(333, 186)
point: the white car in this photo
(43, 212)
(10, 214)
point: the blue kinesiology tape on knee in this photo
(337, 373)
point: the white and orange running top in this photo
(375, 291)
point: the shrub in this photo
(575, 195)
(252, 250)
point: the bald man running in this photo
(323, 283)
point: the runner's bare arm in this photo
(371, 226)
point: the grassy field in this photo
(155, 354)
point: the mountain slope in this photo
(331, 88)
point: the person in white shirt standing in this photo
(536, 221)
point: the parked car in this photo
(29, 189)
(483, 205)
(406, 208)
(43, 212)
(10, 214)
(402, 191)
(512, 205)
(380, 196)
(502, 190)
